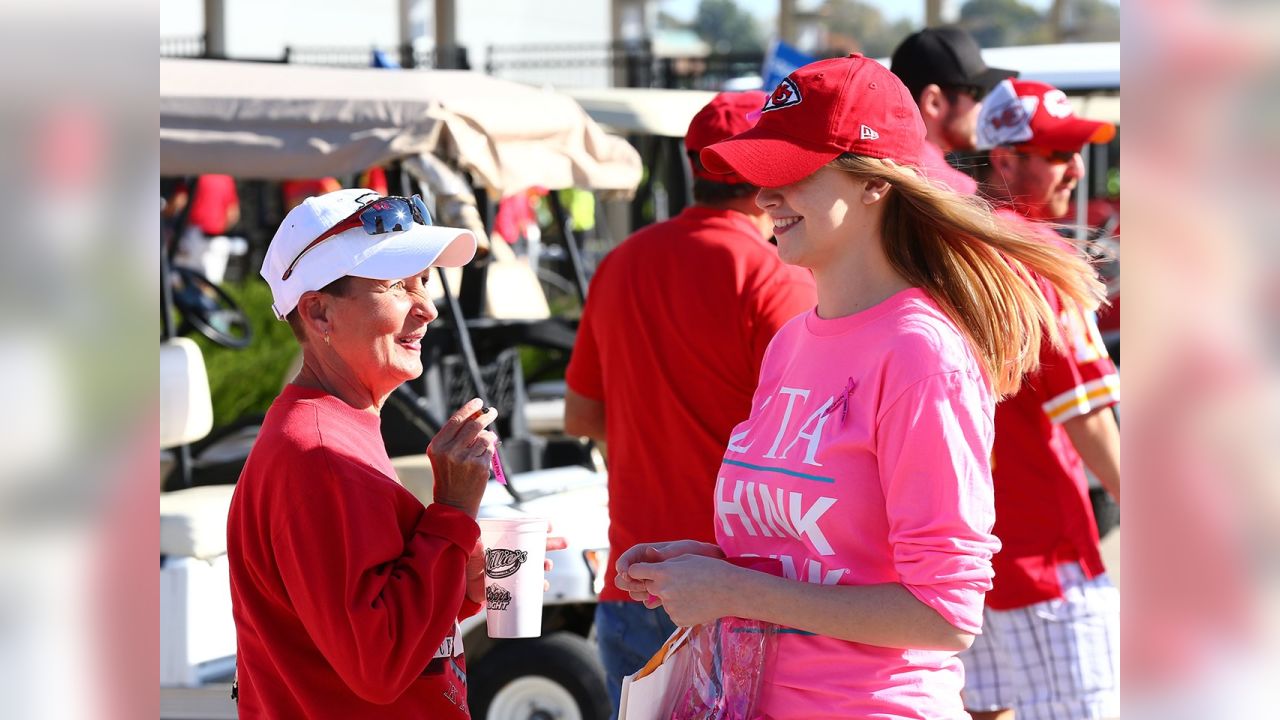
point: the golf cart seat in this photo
(197, 634)
(186, 413)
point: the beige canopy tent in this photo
(289, 121)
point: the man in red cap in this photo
(943, 69)
(666, 359)
(1050, 646)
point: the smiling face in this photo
(814, 218)
(376, 329)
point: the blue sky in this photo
(262, 28)
(766, 9)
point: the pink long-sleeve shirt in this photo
(866, 460)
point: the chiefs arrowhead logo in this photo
(786, 95)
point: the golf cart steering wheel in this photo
(207, 308)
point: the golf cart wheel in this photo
(557, 677)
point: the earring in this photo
(326, 338)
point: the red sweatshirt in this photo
(345, 589)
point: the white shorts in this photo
(1055, 660)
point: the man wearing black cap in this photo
(943, 69)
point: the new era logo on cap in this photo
(786, 95)
(866, 133)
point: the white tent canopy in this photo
(643, 111)
(289, 121)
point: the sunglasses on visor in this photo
(378, 217)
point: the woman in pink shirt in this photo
(864, 465)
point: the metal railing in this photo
(620, 64)
(586, 64)
(179, 46)
(193, 46)
(355, 56)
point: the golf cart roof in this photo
(1089, 72)
(274, 121)
(1074, 68)
(642, 111)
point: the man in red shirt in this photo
(1050, 643)
(942, 67)
(216, 206)
(666, 360)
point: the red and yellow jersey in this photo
(1044, 516)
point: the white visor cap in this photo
(388, 256)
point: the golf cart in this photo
(461, 140)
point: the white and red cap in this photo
(1026, 112)
(819, 112)
(387, 256)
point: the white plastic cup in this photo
(514, 550)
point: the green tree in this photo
(1000, 23)
(667, 21)
(1091, 21)
(854, 25)
(726, 27)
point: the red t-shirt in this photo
(1043, 513)
(295, 191)
(344, 588)
(671, 340)
(215, 196)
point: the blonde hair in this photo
(980, 268)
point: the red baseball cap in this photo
(817, 113)
(728, 114)
(1026, 112)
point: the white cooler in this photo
(197, 633)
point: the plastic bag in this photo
(726, 676)
(714, 671)
(654, 690)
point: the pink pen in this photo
(496, 464)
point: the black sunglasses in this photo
(378, 217)
(977, 92)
